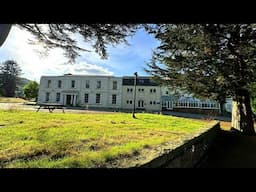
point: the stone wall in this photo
(188, 155)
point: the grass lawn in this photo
(11, 100)
(46, 140)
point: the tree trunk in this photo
(222, 106)
(242, 117)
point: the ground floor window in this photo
(57, 97)
(98, 98)
(47, 96)
(113, 99)
(86, 97)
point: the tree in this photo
(209, 59)
(253, 98)
(62, 36)
(4, 31)
(30, 90)
(10, 71)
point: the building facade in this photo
(119, 93)
(147, 95)
(79, 90)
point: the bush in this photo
(31, 90)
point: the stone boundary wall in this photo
(188, 155)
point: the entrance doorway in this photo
(68, 101)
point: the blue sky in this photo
(122, 60)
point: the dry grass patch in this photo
(46, 140)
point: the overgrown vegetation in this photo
(46, 140)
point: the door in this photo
(68, 101)
(140, 104)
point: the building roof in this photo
(141, 81)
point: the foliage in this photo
(10, 71)
(215, 56)
(30, 139)
(30, 90)
(209, 60)
(62, 36)
(253, 97)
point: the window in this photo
(59, 84)
(98, 84)
(49, 83)
(129, 90)
(154, 90)
(154, 102)
(150, 102)
(87, 84)
(139, 90)
(86, 97)
(113, 99)
(142, 89)
(166, 93)
(57, 97)
(73, 83)
(150, 90)
(47, 96)
(127, 101)
(114, 85)
(97, 98)
(130, 101)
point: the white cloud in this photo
(83, 68)
(34, 66)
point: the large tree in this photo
(213, 59)
(10, 71)
(30, 90)
(63, 36)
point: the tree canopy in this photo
(9, 72)
(62, 36)
(215, 60)
(30, 90)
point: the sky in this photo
(123, 60)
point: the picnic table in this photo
(50, 106)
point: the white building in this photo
(148, 94)
(118, 93)
(81, 90)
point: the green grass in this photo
(46, 140)
(11, 100)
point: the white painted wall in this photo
(80, 89)
(145, 95)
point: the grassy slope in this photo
(29, 139)
(11, 100)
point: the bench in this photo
(50, 106)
